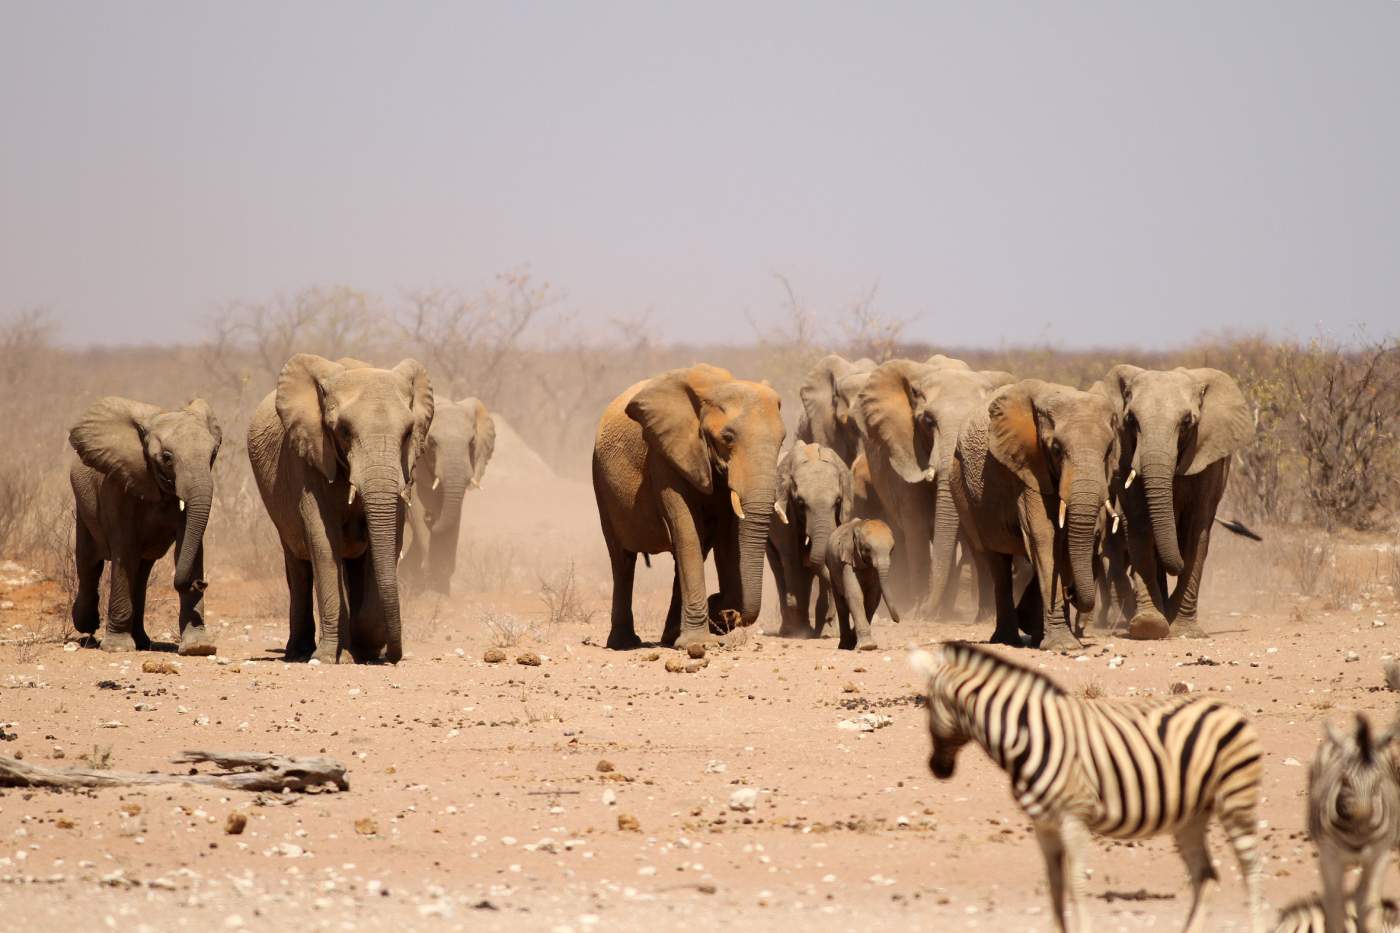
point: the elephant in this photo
(1031, 477)
(143, 481)
(913, 414)
(333, 449)
(460, 442)
(1179, 431)
(828, 405)
(814, 496)
(858, 563)
(686, 462)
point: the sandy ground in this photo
(491, 796)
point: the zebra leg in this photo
(1368, 892)
(1191, 843)
(1052, 846)
(1240, 826)
(1334, 893)
(1076, 840)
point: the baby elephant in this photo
(144, 482)
(858, 562)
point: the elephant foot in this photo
(393, 653)
(87, 626)
(796, 630)
(326, 653)
(297, 651)
(696, 636)
(1149, 625)
(1060, 639)
(846, 644)
(118, 641)
(1006, 636)
(1187, 628)
(867, 644)
(195, 642)
(623, 640)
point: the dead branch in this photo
(269, 773)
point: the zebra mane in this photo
(968, 656)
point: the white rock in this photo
(715, 766)
(1292, 762)
(744, 799)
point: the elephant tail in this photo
(1240, 529)
(646, 559)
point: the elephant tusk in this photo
(437, 481)
(1114, 530)
(351, 500)
(781, 513)
(474, 483)
(182, 505)
(734, 503)
(1062, 513)
(1132, 474)
(806, 540)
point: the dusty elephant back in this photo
(619, 475)
(279, 485)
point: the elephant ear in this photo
(1116, 384)
(668, 409)
(820, 398)
(420, 402)
(349, 362)
(1013, 435)
(301, 392)
(847, 485)
(483, 442)
(111, 438)
(1226, 422)
(200, 409)
(888, 416)
(939, 361)
(842, 543)
(996, 378)
(782, 502)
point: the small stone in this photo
(57, 752)
(235, 823)
(652, 656)
(694, 667)
(493, 656)
(604, 766)
(73, 645)
(628, 823)
(743, 799)
(528, 658)
(715, 766)
(674, 666)
(1179, 687)
(1352, 657)
(696, 651)
(1292, 762)
(159, 667)
(366, 827)
(850, 688)
(609, 797)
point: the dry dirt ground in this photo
(593, 791)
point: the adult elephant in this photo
(333, 450)
(686, 462)
(828, 405)
(460, 443)
(1031, 478)
(814, 496)
(144, 481)
(1179, 430)
(913, 414)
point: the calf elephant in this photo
(459, 447)
(143, 482)
(333, 450)
(913, 414)
(1179, 430)
(858, 563)
(828, 397)
(814, 496)
(1030, 477)
(687, 462)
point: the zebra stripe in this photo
(1307, 916)
(1127, 770)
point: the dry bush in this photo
(562, 600)
(1309, 558)
(506, 630)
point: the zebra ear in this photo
(1333, 736)
(924, 663)
(1365, 747)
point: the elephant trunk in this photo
(1157, 476)
(945, 539)
(753, 543)
(819, 532)
(882, 567)
(447, 528)
(382, 518)
(1085, 502)
(198, 496)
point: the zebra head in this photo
(1355, 773)
(947, 725)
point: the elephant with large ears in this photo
(144, 481)
(1180, 430)
(913, 414)
(333, 450)
(828, 394)
(460, 443)
(1031, 477)
(686, 462)
(814, 496)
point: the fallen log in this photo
(274, 773)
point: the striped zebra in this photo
(1353, 817)
(1127, 770)
(1307, 916)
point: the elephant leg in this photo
(802, 611)
(622, 631)
(847, 640)
(870, 601)
(948, 606)
(787, 599)
(996, 569)
(986, 590)
(332, 600)
(301, 627)
(416, 557)
(117, 637)
(1148, 580)
(826, 608)
(672, 629)
(1039, 537)
(920, 533)
(368, 629)
(690, 570)
(194, 637)
(87, 615)
(1181, 607)
(139, 584)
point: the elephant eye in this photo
(727, 435)
(1188, 420)
(165, 457)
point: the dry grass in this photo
(563, 601)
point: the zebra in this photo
(1307, 916)
(1122, 769)
(1353, 816)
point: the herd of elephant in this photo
(899, 471)
(344, 455)
(895, 471)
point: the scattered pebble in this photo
(493, 656)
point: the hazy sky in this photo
(1091, 173)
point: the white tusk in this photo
(1062, 513)
(473, 483)
(734, 503)
(1114, 531)
(351, 500)
(437, 481)
(930, 474)
(182, 505)
(1129, 481)
(806, 540)
(779, 511)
